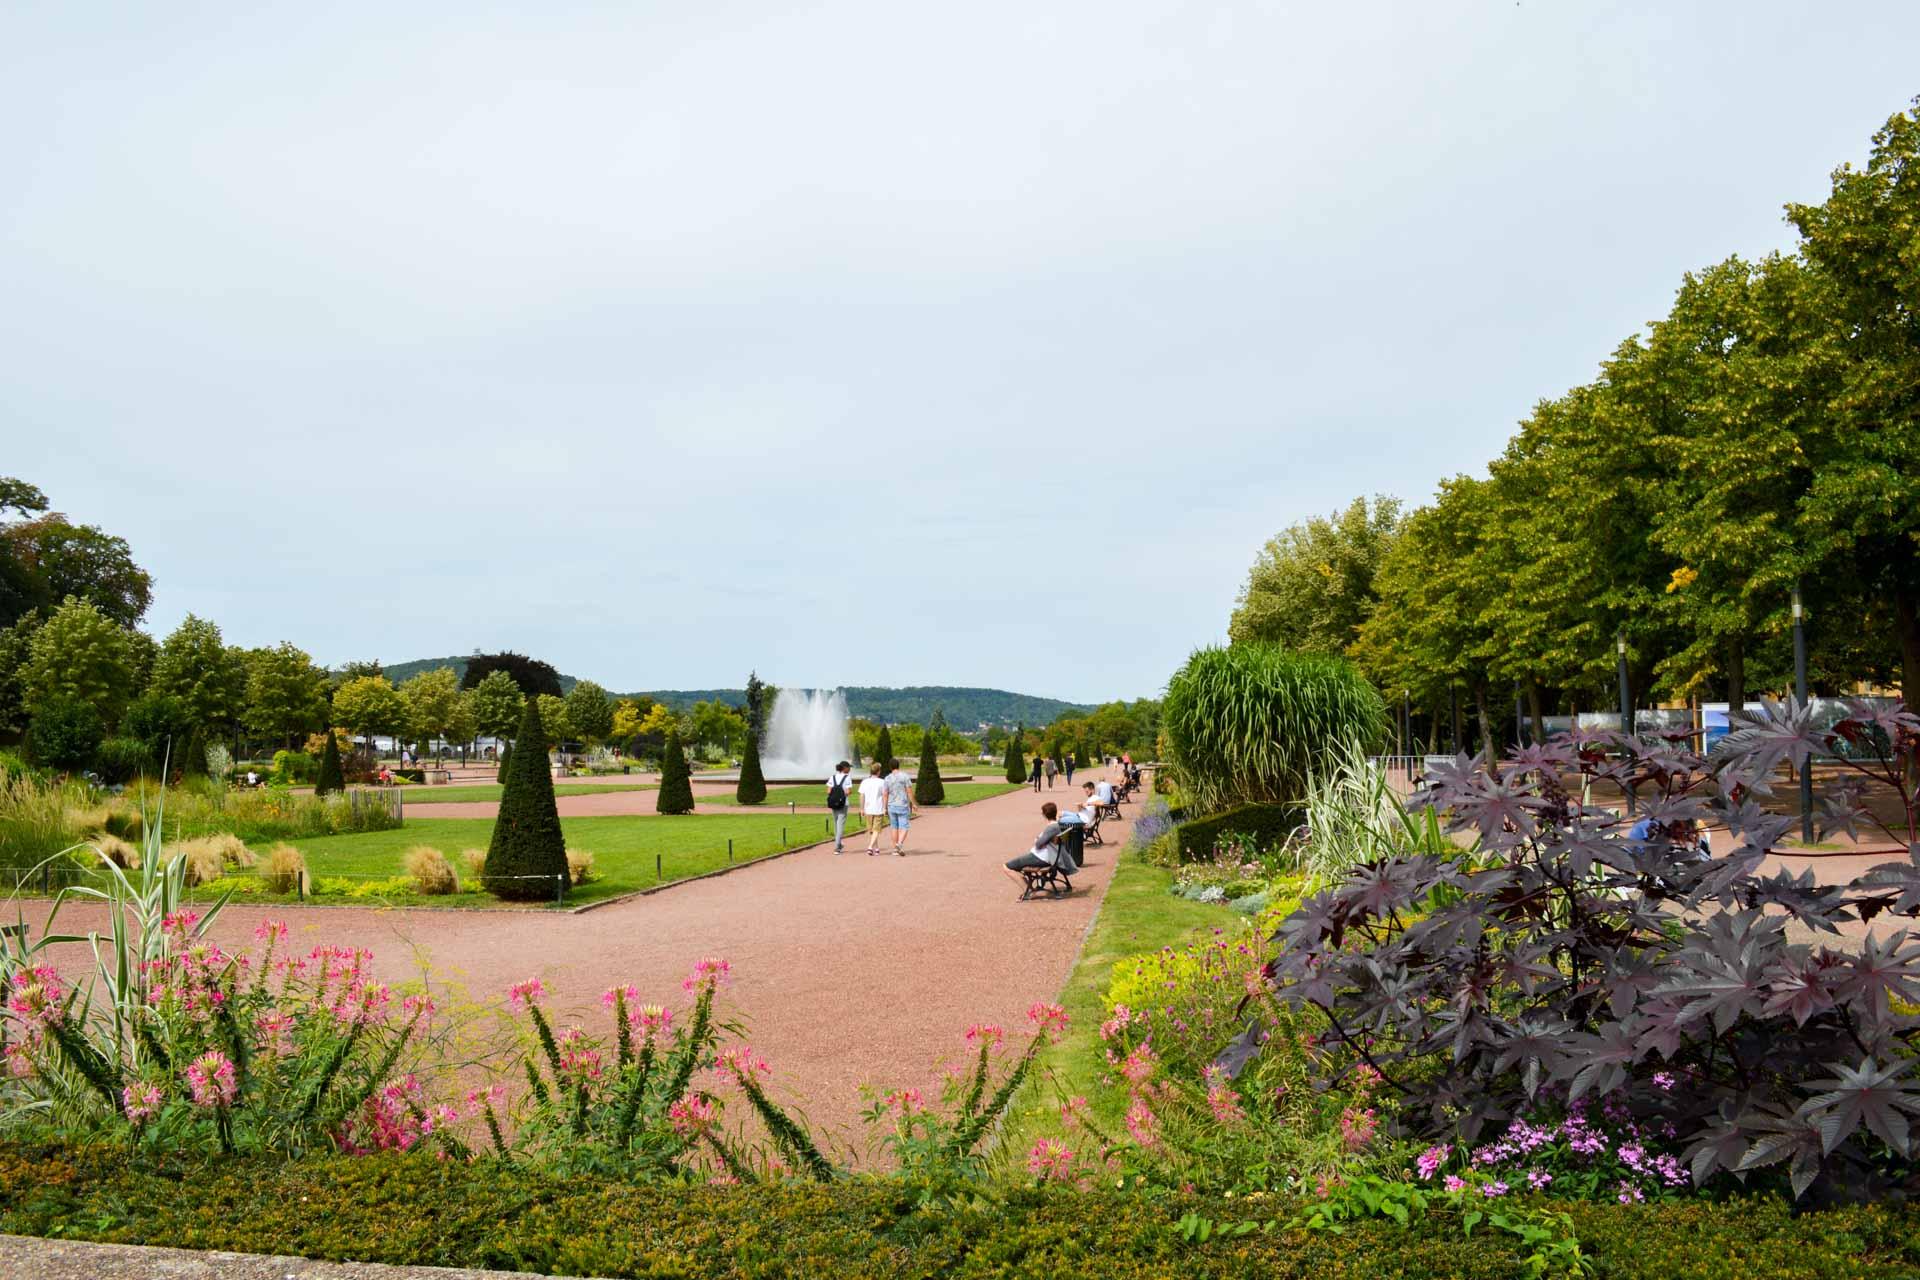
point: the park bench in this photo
(1055, 881)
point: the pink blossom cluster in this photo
(1222, 1099)
(1051, 1161)
(741, 1062)
(523, 994)
(140, 1101)
(579, 1060)
(211, 1080)
(652, 1019)
(711, 973)
(391, 1120)
(37, 1001)
(905, 1101)
(691, 1116)
(987, 1033)
(1357, 1127)
(1049, 1020)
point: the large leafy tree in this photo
(589, 712)
(286, 693)
(527, 857)
(210, 680)
(718, 725)
(53, 558)
(20, 587)
(463, 722)
(368, 706)
(1861, 515)
(533, 676)
(81, 653)
(15, 648)
(497, 705)
(1312, 586)
(553, 718)
(432, 699)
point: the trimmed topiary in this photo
(1016, 762)
(927, 787)
(753, 784)
(676, 787)
(527, 858)
(332, 779)
(883, 746)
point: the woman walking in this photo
(1053, 771)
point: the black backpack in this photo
(837, 795)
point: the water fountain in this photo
(806, 735)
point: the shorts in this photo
(1026, 860)
(898, 818)
(876, 821)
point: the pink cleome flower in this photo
(1143, 1125)
(1138, 1066)
(1357, 1127)
(691, 1117)
(990, 1033)
(619, 995)
(741, 1062)
(525, 993)
(1049, 1020)
(650, 1018)
(1073, 1112)
(1454, 1182)
(710, 973)
(1050, 1161)
(1225, 1104)
(906, 1101)
(210, 1079)
(270, 931)
(1430, 1161)
(140, 1101)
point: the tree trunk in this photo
(1433, 730)
(1906, 624)
(1736, 673)
(1533, 709)
(1459, 731)
(1486, 722)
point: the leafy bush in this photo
(1265, 826)
(527, 857)
(294, 768)
(1247, 723)
(65, 734)
(123, 759)
(1590, 959)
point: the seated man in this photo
(1103, 792)
(1045, 852)
(1088, 809)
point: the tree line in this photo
(1763, 436)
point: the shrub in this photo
(429, 870)
(283, 869)
(210, 857)
(1589, 958)
(753, 784)
(580, 865)
(1016, 762)
(122, 760)
(1245, 724)
(1265, 826)
(927, 787)
(65, 734)
(676, 785)
(883, 748)
(528, 854)
(293, 768)
(475, 861)
(329, 779)
(121, 853)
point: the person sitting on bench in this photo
(1046, 849)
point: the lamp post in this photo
(1800, 695)
(1626, 700)
(1406, 718)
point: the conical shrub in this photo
(1016, 762)
(332, 779)
(883, 749)
(927, 787)
(676, 788)
(528, 855)
(753, 785)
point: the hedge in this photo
(420, 1210)
(1268, 824)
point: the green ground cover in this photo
(815, 797)
(624, 849)
(491, 791)
(1138, 914)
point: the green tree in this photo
(162, 724)
(332, 779)
(1016, 757)
(80, 653)
(369, 706)
(64, 559)
(497, 705)
(530, 675)
(753, 784)
(286, 693)
(1311, 587)
(883, 747)
(433, 700)
(553, 719)
(589, 712)
(1861, 517)
(463, 724)
(718, 725)
(66, 733)
(676, 784)
(210, 680)
(21, 591)
(756, 708)
(927, 787)
(527, 857)
(16, 643)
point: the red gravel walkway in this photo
(848, 970)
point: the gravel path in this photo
(25, 1258)
(848, 970)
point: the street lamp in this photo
(1626, 698)
(1800, 695)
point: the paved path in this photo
(26, 1258)
(849, 970)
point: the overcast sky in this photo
(867, 342)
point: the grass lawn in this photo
(816, 797)
(1138, 914)
(491, 791)
(624, 850)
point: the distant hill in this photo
(963, 707)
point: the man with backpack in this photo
(839, 783)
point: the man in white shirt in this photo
(839, 789)
(1103, 792)
(873, 806)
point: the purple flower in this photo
(1493, 1189)
(1430, 1161)
(1538, 1179)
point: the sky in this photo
(856, 343)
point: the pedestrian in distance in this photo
(839, 783)
(1069, 769)
(900, 806)
(1053, 771)
(1037, 771)
(873, 805)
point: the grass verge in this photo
(491, 791)
(958, 793)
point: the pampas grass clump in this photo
(430, 871)
(580, 865)
(283, 869)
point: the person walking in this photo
(1069, 769)
(1037, 770)
(839, 783)
(1053, 771)
(873, 805)
(900, 806)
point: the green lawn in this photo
(1138, 914)
(491, 791)
(816, 797)
(624, 850)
